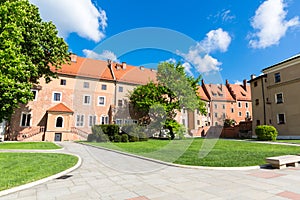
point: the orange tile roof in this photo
(60, 108)
(134, 75)
(219, 92)
(202, 94)
(86, 67)
(240, 93)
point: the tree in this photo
(174, 91)
(28, 48)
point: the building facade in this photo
(275, 97)
(89, 92)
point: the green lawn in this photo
(28, 145)
(20, 168)
(289, 141)
(225, 153)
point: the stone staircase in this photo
(31, 134)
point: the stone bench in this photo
(280, 162)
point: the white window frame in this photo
(30, 120)
(92, 120)
(278, 118)
(53, 100)
(63, 80)
(36, 94)
(90, 100)
(239, 104)
(79, 123)
(98, 101)
(276, 99)
(106, 118)
(240, 114)
(63, 121)
(248, 114)
(247, 105)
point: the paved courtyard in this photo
(108, 175)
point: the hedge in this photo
(266, 133)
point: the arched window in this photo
(59, 122)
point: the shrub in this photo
(111, 130)
(124, 138)
(142, 136)
(175, 128)
(117, 138)
(91, 138)
(266, 133)
(102, 138)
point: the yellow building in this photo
(275, 97)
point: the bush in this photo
(102, 138)
(110, 130)
(92, 138)
(266, 133)
(124, 138)
(175, 128)
(117, 138)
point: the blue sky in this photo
(218, 39)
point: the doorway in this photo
(57, 137)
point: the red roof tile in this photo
(202, 94)
(60, 108)
(219, 92)
(240, 93)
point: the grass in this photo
(28, 145)
(289, 141)
(203, 152)
(21, 168)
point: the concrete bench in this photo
(280, 162)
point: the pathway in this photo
(108, 175)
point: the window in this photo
(216, 114)
(255, 84)
(216, 124)
(103, 87)
(25, 119)
(257, 122)
(35, 93)
(279, 98)
(198, 122)
(92, 120)
(277, 77)
(104, 119)
(86, 85)
(239, 104)
(223, 106)
(119, 121)
(101, 101)
(120, 89)
(120, 102)
(86, 100)
(63, 82)
(216, 106)
(224, 115)
(247, 115)
(256, 101)
(280, 119)
(240, 114)
(247, 105)
(79, 120)
(57, 96)
(59, 122)
(232, 110)
(183, 122)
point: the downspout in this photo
(264, 103)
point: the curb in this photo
(176, 165)
(29, 185)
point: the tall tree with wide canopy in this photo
(28, 48)
(174, 90)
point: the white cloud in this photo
(188, 68)
(171, 60)
(216, 40)
(238, 82)
(74, 16)
(198, 55)
(227, 16)
(270, 24)
(105, 55)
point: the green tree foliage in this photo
(266, 132)
(174, 91)
(28, 48)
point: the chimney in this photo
(227, 83)
(245, 84)
(142, 68)
(253, 76)
(124, 65)
(73, 58)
